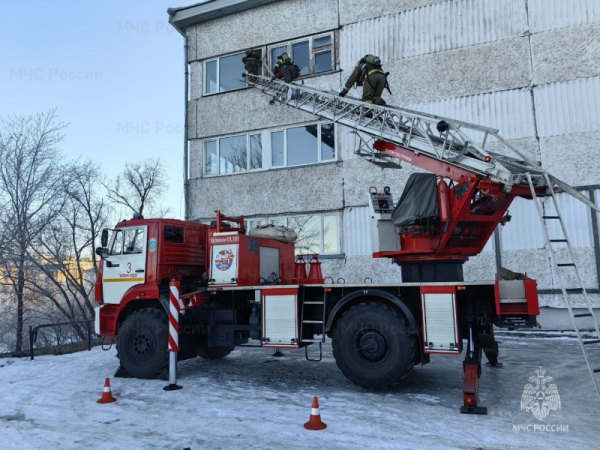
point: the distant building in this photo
(528, 68)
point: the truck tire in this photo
(142, 343)
(373, 347)
(212, 352)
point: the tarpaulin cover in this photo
(419, 200)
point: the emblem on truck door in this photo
(224, 259)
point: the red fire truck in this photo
(239, 287)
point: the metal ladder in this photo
(559, 268)
(457, 142)
(312, 319)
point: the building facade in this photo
(530, 68)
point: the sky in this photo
(114, 71)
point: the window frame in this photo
(218, 59)
(320, 159)
(278, 219)
(312, 51)
(267, 149)
(217, 140)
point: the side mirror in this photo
(102, 252)
(104, 238)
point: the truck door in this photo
(126, 264)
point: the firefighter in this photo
(368, 74)
(286, 69)
(252, 62)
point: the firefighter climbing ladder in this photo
(561, 269)
(454, 142)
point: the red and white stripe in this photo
(174, 317)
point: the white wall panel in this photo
(524, 231)
(568, 107)
(547, 15)
(357, 232)
(434, 28)
(508, 111)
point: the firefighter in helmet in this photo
(286, 69)
(368, 74)
(252, 62)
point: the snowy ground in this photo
(251, 400)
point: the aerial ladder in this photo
(483, 185)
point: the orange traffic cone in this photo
(106, 394)
(314, 422)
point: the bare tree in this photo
(31, 181)
(139, 186)
(64, 252)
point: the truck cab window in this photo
(134, 242)
(117, 246)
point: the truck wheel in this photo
(373, 346)
(142, 343)
(212, 352)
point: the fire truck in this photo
(247, 287)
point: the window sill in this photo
(257, 171)
(305, 77)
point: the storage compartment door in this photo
(440, 327)
(280, 318)
(224, 264)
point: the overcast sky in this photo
(114, 71)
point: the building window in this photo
(303, 145)
(231, 155)
(317, 233)
(313, 55)
(224, 74)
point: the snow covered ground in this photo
(251, 400)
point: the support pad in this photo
(482, 410)
(172, 387)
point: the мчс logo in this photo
(540, 397)
(224, 259)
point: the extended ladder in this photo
(569, 265)
(455, 142)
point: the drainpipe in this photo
(185, 129)
(171, 13)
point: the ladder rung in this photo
(558, 240)
(313, 303)
(583, 315)
(595, 341)
(565, 264)
(596, 370)
(551, 217)
(312, 321)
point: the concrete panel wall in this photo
(355, 10)
(276, 22)
(282, 191)
(566, 54)
(456, 73)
